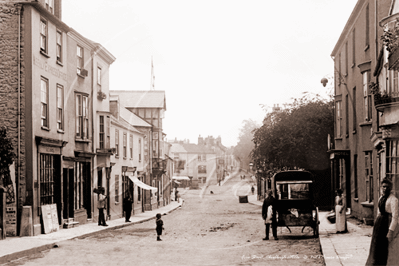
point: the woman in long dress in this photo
(340, 213)
(384, 225)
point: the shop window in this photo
(46, 179)
(116, 188)
(392, 163)
(368, 159)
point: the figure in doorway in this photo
(127, 206)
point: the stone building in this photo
(49, 104)
(356, 155)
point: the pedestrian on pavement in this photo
(176, 194)
(127, 206)
(269, 214)
(159, 227)
(102, 200)
(340, 212)
(252, 189)
(384, 225)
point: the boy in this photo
(159, 227)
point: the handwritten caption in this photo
(290, 257)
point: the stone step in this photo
(70, 225)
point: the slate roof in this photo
(141, 99)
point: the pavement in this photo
(350, 249)
(13, 248)
(337, 249)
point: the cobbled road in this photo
(209, 229)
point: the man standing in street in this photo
(102, 200)
(269, 214)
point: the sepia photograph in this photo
(184, 132)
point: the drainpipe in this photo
(376, 30)
(19, 104)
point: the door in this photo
(58, 187)
(87, 189)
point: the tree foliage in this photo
(245, 144)
(7, 156)
(295, 137)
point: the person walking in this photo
(252, 189)
(102, 200)
(159, 227)
(127, 206)
(340, 212)
(176, 195)
(269, 214)
(384, 225)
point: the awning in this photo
(181, 178)
(141, 184)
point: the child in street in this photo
(159, 227)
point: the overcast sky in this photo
(217, 60)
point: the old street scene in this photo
(199, 133)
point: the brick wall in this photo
(9, 84)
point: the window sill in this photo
(59, 63)
(366, 123)
(367, 47)
(82, 140)
(79, 75)
(44, 54)
(45, 128)
(353, 65)
(367, 204)
(60, 131)
(354, 132)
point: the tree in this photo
(7, 156)
(296, 136)
(245, 144)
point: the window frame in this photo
(101, 132)
(367, 99)
(338, 107)
(59, 46)
(117, 142)
(131, 145)
(392, 159)
(44, 114)
(124, 145)
(60, 107)
(139, 150)
(82, 116)
(43, 36)
(99, 76)
(80, 59)
(368, 167)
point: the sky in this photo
(218, 61)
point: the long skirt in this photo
(340, 219)
(378, 253)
